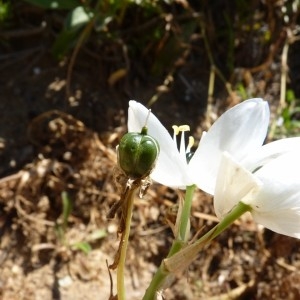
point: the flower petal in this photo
(277, 206)
(170, 170)
(234, 184)
(283, 221)
(239, 131)
(271, 151)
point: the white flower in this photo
(270, 151)
(272, 192)
(239, 131)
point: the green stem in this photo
(182, 258)
(121, 265)
(159, 278)
(186, 213)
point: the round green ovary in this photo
(137, 154)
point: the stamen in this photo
(189, 154)
(176, 132)
(190, 144)
(183, 151)
(175, 129)
(183, 128)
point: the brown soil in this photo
(51, 143)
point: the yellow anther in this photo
(176, 129)
(183, 128)
(191, 142)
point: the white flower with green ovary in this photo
(239, 131)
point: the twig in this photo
(22, 32)
(79, 44)
(12, 177)
(235, 293)
(23, 213)
(283, 80)
(214, 68)
(10, 59)
(273, 50)
(210, 96)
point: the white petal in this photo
(170, 170)
(284, 168)
(284, 221)
(234, 184)
(277, 206)
(239, 131)
(271, 151)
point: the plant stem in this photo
(181, 258)
(159, 278)
(121, 265)
(186, 213)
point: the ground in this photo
(57, 152)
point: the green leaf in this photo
(290, 96)
(64, 42)
(97, 235)
(5, 10)
(77, 18)
(52, 4)
(67, 38)
(83, 246)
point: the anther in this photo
(175, 129)
(190, 144)
(183, 128)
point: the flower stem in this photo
(180, 258)
(121, 265)
(186, 213)
(160, 276)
